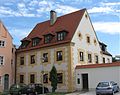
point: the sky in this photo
(21, 16)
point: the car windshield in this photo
(18, 86)
(103, 84)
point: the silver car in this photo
(109, 87)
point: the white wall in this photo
(95, 75)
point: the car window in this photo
(103, 84)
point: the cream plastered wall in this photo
(64, 66)
(6, 51)
(85, 29)
(96, 75)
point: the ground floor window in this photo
(78, 81)
(60, 77)
(45, 78)
(32, 78)
(21, 78)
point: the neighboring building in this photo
(88, 76)
(64, 42)
(7, 59)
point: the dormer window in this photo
(24, 44)
(35, 41)
(48, 38)
(61, 36)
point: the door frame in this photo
(85, 82)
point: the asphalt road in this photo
(88, 93)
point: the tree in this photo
(53, 78)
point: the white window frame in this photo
(4, 43)
(3, 60)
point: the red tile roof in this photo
(98, 65)
(67, 22)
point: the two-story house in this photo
(64, 42)
(7, 59)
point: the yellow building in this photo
(63, 42)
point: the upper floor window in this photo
(103, 60)
(81, 56)
(61, 36)
(45, 56)
(59, 56)
(88, 39)
(21, 78)
(48, 38)
(60, 77)
(24, 44)
(96, 59)
(1, 60)
(89, 58)
(45, 78)
(32, 78)
(32, 59)
(35, 41)
(21, 60)
(2, 43)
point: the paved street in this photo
(88, 93)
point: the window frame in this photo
(32, 59)
(89, 58)
(60, 82)
(81, 55)
(22, 61)
(96, 59)
(47, 38)
(22, 80)
(88, 39)
(58, 56)
(35, 42)
(61, 36)
(32, 76)
(103, 59)
(45, 78)
(2, 43)
(45, 56)
(2, 60)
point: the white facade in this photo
(96, 75)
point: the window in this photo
(21, 78)
(21, 60)
(2, 43)
(103, 60)
(48, 38)
(78, 80)
(32, 78)
(89, 58)
(45, 78)
(60, 77)
(61, 36)
(88, 39)
(1, 60)
(24, 44)
(81, 56)
(59, 56)
(35, 41)
(32, 59)
(45, 56)
(96, 59)
(0, 80)
(108, 60)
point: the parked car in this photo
(109, 87)
(36, 89)
(18, 89)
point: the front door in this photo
(6, 82)
(85, 81)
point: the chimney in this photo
(53, 17)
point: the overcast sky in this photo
(20, 17)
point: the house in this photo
(64, 42)
(88, 76)
(7, 59)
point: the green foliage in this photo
(53, 78)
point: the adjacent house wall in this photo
(6, 51)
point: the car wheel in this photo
(19, 93)
(36, 93)
(112, 93)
